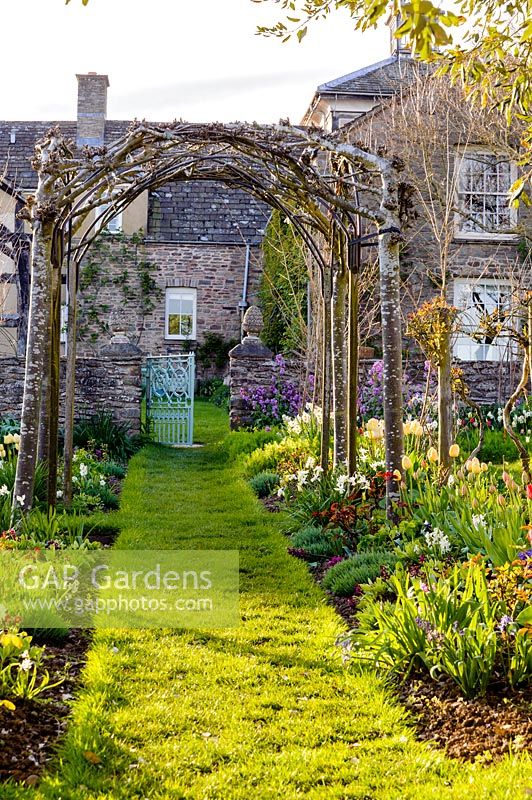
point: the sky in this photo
(197, 60)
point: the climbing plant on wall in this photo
(116, 275)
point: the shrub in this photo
(319, 542)
(361, 568)
(264, 483)
(288, 455)
(214, 390)
(102, 431)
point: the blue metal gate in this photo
(170, 398)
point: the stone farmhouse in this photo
(199, 243)
(461, 162)
(200, 240)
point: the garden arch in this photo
(312, 178)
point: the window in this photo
(484, 180)
(476, 298)
(180, 314)
(115, 223)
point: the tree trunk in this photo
(23, 269)
(38, 320)
(70, 381)
(521, 387)
(445, 417)
(352, 370)
(338, 363)
(325, 374)
(55, 359)
(392, 361)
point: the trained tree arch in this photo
(312, 179)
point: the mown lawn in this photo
(263, 711)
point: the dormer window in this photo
(483, 183)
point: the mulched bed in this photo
(482, 730)
(29, 735)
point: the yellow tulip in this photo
(406, 463)
(417, 428)
(454, 450)
(501, 500)
(483, 467)
(407, 428)
(476, 469)
(432, 454)
(11, 640)
(2, 452)
(8, 439)
(373, 424)
(397, 475)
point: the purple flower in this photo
(525, 555)
(334, 560)
(505, 621)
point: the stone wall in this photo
(103, 383)
(252, 366)
(215, 271)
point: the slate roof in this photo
(192, 211)
(381, 79)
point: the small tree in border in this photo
(432, 326)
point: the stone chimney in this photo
(92, 108)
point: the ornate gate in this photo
(170, 398)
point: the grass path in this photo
(260, 712)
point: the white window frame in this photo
(503, 349)
(173, 292)
(460, 219)
(114, 225)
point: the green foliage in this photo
(214, 350)
(21, 676)
(286, 452)
(7, 479)
(283, 288)
(448, 625)
(486, 45)
(101, 430)
(215, 390)
(264, 483)
(497, 446)
(319, 542)
(342, 578)
(247, 443)
(9, 425)
(53, 529)
(135, 285)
